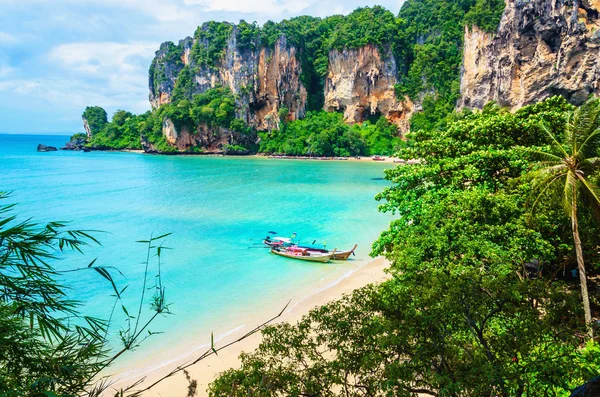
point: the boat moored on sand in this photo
(285, 242)
(335, 255)
(303, 254)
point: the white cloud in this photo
(159, 10)
(5, 70)
(100, 58)
(263, 7)
(112, 75)
(8, 39)
(75, 94)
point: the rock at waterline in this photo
(76, 145)
(44, 148)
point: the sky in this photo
(59, 56)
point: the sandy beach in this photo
(364, 159)
(205, 371)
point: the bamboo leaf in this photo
(160, 237)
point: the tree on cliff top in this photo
(96, 118)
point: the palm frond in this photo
(570, 128)
(545, 157)
(590, 188)
(544, 186)
(585, 126)
(553, 139)
(592, 163)
(548, 171)
(589, 139)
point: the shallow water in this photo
(216, 208)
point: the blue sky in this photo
(58, 56)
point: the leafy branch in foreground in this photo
(130, 391)
(47, 346)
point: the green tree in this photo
(96, 118)
(464, 313)
(47, 346)
(565, 176)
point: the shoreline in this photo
(363, 159)
(205, 371)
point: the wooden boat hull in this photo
(308, 258)
(337, 255)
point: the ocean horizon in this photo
(218, 279)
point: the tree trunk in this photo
(581, 268)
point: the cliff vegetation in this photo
(368, 65)
(414, 69)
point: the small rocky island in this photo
(44, 148)
(77, 144)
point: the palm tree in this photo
(566, 176)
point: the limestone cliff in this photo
(542, 48)
(165, 68)
(264, 80)
(360, 83)
(86, 127)
(201, 139)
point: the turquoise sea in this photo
(215, 208)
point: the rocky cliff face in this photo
(86, 127)
(360, 83)
(210, 140)
(264, 80)
(164, 70)
(542, 48)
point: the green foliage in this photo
(380, 138)
(47, 346)
(123, 132)
(96, 118)
(215, 107)
(376, 26)
(166, 61)
(463, 314)
(235, 150)
(486, 14)
(184, 85)
(211, 43)
(212, 109)
(326, 134)
(248, 35)
(80, 136)
(431, 41)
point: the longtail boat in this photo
(337, 256)
(302, 254)
(277, 241)
(288, 242)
